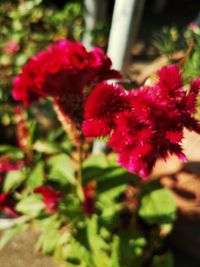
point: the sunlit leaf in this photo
(31, 205)
(158, 206)
(36, 176)
(12, 180)
(11, 151)
(62, 169)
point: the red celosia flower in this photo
(11, 47)
(62, 72)
(151, 125)
(6, 164)
(101, 108)
(51, 197)
(7, 204)
(89, 192)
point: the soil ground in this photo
(21, 252)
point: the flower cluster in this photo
(63, 72)
(50, 197)
(146, 123)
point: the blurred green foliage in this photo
(126, 229)
(181, 47)
(29, 26)
(167, 41)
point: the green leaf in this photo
(165, 260)
(92, 228)
(12, 180)
(31, 205)
(62, 169)
(107, 178)
(45, 147)
(77, 254)
(158, 206)
(51, 236)
(32, 128)
(11, 151)
(36, 176)
(115, 261)
(132, 244)
(49, 240)
(55, 133)
(9, 234)
(21, 59)
(96, 243)
(100, 160)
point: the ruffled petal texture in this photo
(62, 72)
(146, 123)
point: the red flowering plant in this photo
(90, 211)
(50, 197)
(146, 123)
(63, 72)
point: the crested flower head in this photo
(62, 72)
(51, 197)
(105, 101)
(150, 125)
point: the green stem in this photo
(80, 164)
(79, 172)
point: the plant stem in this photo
(79, 171)
(73, 131)
(187, 54)
(67, 123)
(79, 176)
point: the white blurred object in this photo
(94, 11)
(125, 23)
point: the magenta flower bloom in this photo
(11, 47)
(6, 164)
(62, 72)
(51, 197)
(146, 123)
(101, 108)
